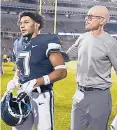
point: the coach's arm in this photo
(112, 54)
(72, 52)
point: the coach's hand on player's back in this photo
(12, 84)
(65, 56)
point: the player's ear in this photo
(37, 25)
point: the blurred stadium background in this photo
(69, 23)
(69, 18)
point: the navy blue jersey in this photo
(33, 59)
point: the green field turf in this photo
(63, 91)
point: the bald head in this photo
(100, 11)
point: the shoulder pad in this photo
(53, 47)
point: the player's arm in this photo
(57, 61)
(17, 73)
(113, 56)
(59, 72)
(15, 80)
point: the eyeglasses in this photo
(90, 17)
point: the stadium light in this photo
(40, 8)
(55, 16)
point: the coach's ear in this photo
(103, 21)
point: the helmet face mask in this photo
(15, 110)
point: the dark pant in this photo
(92, 111)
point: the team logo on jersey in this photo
(34, 46)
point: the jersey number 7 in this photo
(26, 58)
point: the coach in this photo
(97, 53)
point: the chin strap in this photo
(20, 119)
(21, 96)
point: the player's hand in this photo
(28, 87)
(12, 84)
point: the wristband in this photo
(46, 80)
(60, 67)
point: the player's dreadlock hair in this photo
(33, 15)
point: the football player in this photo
(39, 65)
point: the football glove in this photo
(28, 87)
(12, 84)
